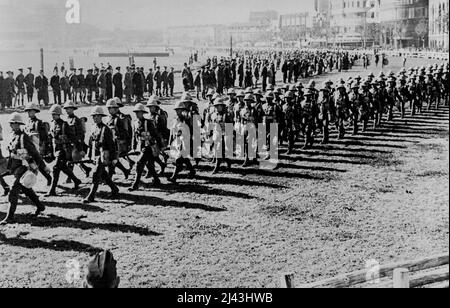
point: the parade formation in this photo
(242, 93)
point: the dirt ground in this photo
(381, 195)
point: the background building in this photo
(404, 23)
(438, 24)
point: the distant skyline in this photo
(157, 14)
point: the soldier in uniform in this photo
(308, 116)
(219, 118)
(29, 82)
(78, 131)
(90, 85)
(23, 158)
(65, 86)
(118, 87)
(158, 80)
(341, 104)
(128, 86)
(109, 83)
(38, 132)
(179, 140)
(73, 81)
(365, 105)
(249, 117)
(9, 89)
(271, 115)
(392, 97)
(148, 142)
(102, 150)
(324, 103)
(291, 117)
(20, 85)
(41, 84)
(101, 85)
(159, 118)
(403, 96)
(63, 140)
(120, 136)
(82, 86)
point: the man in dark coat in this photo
(56, 87)
(109, 83)
(29, 82)
(149, 82)
(158, 79)
(90, 85)
(137, 86)
(2, 92)
(41, 85)
(118, 86)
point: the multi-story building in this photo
(438, 24)
(198, 35)
(264, 17)
(404, 23)
(350, 21)
(295, 27)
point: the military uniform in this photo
(102, 151)
(341, 104)
(23, 157)
(63, 140)
(324, 103)
(20, 84)
(117, 125)
(308, 115)
(29, 82)
(365, 105)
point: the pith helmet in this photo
(153, 101)
(249, 97)
(289, 94)
(98, 111)
(180, 106)
(112, 103)
(240, 93)
(70, 104)
(56, 109)
(249, 90)
(16, 118)
(32, 106)
(140, 108)
(219, 102)
(210, 92)
(186, 97)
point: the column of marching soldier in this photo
(297, 109)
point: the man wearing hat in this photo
(291, 117)
(324, 103)
(341, 103)
(180, 143)
(41, 84)
(158, 80)
(121, 135)
(29, 83)
(82, 85)
(2, 92)
(38, 131)
(150, 82)
(109, 83)
(365, 105)
(222, 142)
(392, 96)
(118, 85)
(160, 119)
(20, 85)
(101, 85)
(63, 140)
(378, 102)
(22, 149)
(404, 96)
(56, 88)
(90, 81)
(102, 150)
(308, 113)
(78, 130)
(73, 81)
(148, 142)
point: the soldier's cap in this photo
(16, 118)
(186, 98)
(231, 92)
(20, 69)
(240, 93)
(258, 92)
(55, 110)
(219, 102)
(118, 68)
(30, 68)
(9, 72)
(90, 70)
(153, 101)
(340, 86)
(70, 105)
(374, 82)
(381, 74)
(210, 92)
(102, 271)
(271, 87)
(80, 69)
(288, 94)
(249, 97)
(249, 90)
(269, 95)
(299, 85)
(98, 111)
(308, 93)
(32, 106)
(324, 88)
(329, 81)
(112, 103)
(311, 84)
(180, 106)
(140, 108)
(293, 88)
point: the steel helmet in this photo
(70, 104)
(180, 105)
(240, 93)
(140, 108)
(56, 109)
(269, 95)
(32, 106)
(289, 94)
(210, 92)
(219, 102)
(16, 118)
(98, 111)
(249, 97)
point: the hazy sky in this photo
(147, 14)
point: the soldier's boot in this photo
(403, 112)
(191, 169)
(35, 199)
(137, 181)
(47, 177)
(162, 165)
(365, 125)
(87, 171)
(154, 175)
(52, 191)
(76, 182)
(246, 162)
(91, 197)
(197, 162)
(5, 187)
(217, 166)
(355, 127)
(176, 172)
(126, 172)
(9, 219)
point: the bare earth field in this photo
(380, 195)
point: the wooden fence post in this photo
(401, 278)
(287, 281)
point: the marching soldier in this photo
(180, 143)
(248, 118)
(20, 85)
(102, 151)
(147, 141)
(23, 158)
(403, 96)
(91, 82)
(219, 118)
(78, 131)
(109, 83)
(159, 118)
(9, 89)
(65, 86)
(341, 104)
(29, 82)
(324, 103)
(308, 116)
(118, 87)
(38, 133)
(62, 145)
(291, 118)
(365, 105)
(120, 136)
(392, 97)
